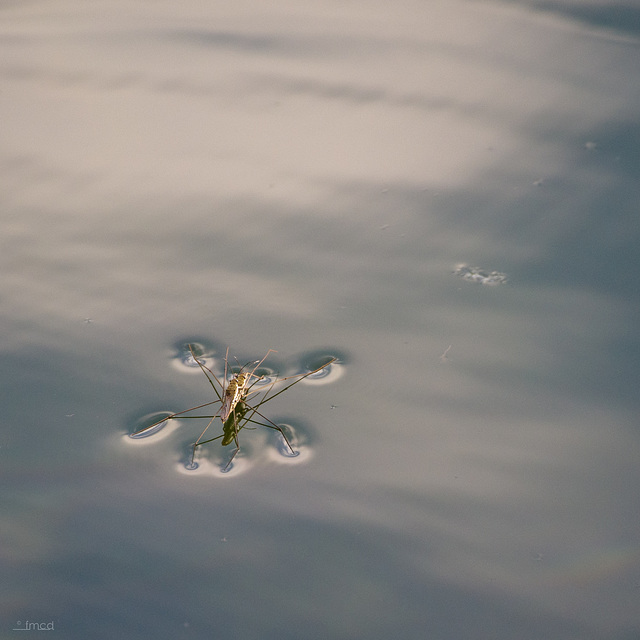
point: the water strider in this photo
(235, 411)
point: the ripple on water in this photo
(205, 467)
(279, 452)
(182, 357)
(313, 360)
(264, 374)
(151, 427)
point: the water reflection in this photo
(283, 180)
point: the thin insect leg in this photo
(299, 376)
(256, 362)
(197, 442)
(226, 363)
(251, 392)
(266, 397)
(275, 427)
(205, 430)
(222, 435)
(266, 355)
(210, 440)
(204, 370)
(200, 406)
(175, 415)
(224, 418)
(279, 380)
(252, 373)
(233, 455)
(272, 425)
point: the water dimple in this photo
(281, 453)
(218, 467)
(284, 450)
(185, 353)
(264, 375)
(327, 366)
(150, 425)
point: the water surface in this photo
(307, 177)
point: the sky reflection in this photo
(306, 179)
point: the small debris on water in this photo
(479, 276)
(444, 358)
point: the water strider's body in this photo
(236, 390)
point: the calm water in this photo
(307, 177)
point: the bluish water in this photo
(308, 178)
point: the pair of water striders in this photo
(240, 396)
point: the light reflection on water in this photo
(468, 466)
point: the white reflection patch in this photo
(479, 276)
